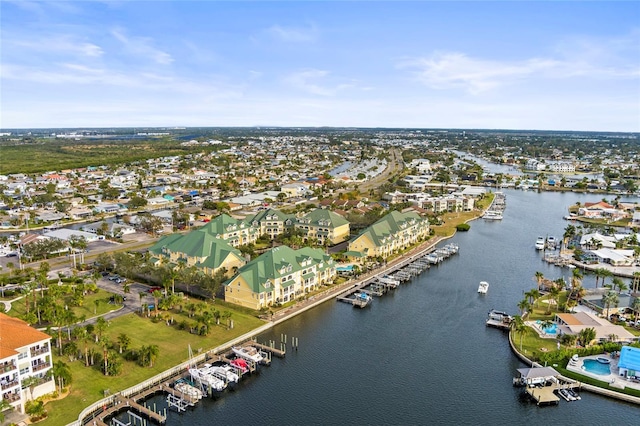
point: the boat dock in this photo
(499, 319)
(404, 271)
(545, 386)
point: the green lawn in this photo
(88, 308)
(89, 384)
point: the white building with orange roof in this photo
(24, 352)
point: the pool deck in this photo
(613, 379)
(537, 327)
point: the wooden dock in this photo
(543, 395)
(121, 403)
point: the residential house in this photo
(199, 249)
(278, 276)
(395, 231)
(24, 353)
(235, 232)
(576, 322)
(323, 225)
(629, 363)
(270, 222)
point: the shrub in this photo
(463, 227)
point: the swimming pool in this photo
(551, 329)
(596, 367)
(347, 268)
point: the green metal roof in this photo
(332, 220)
(277, 263)
(389, 225)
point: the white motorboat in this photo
(492, 215)
(188, 390)
(248, 352)
(540, 243)
(552, 242)
(204, 376)
(483, 287)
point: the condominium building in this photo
(24, 353)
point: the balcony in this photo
(10, 384)
(40, 366)
(5, 368)
(39, 351)
(11, 397)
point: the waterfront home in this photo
(280, 275)
(629, 363)
(199, 249)
(597, 240)
(24, 353)
(605, 331)
(611, 256)
(394, 232)
(323, 225)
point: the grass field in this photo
(88, 308)
(44, 155)
(89, 383)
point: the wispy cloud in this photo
(294, 34)
(142, 46)
(55, 43)
(314, 81)
(455, 70)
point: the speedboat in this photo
(483, 287)
(492, 215)
(240, 364)
(552, 242)
(540, 243)
(187, 389)
(248, 352)
(203, 375)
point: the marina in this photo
(360, 295)
(425, 314)
(497, 207)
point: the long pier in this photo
(392, 276)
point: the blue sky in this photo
(500, 65)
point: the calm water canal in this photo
(422, 354)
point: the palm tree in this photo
(156, 296)
(600, 272)
(610, 298)
(4, 406)
(149, 354)
(123, 342)
(586, 335)
(576, 278)
(539, 278)
(554, 294)
(104, 344)
(524, 306)
(606, 274)
(635, 305)
(635, 284)
(62, 372)
(100, 327)
(519, 327)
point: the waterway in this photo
(421, 354)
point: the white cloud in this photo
(590, 58)
(57, 44)
(294, 34)
(314, 81)
(142, 46)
